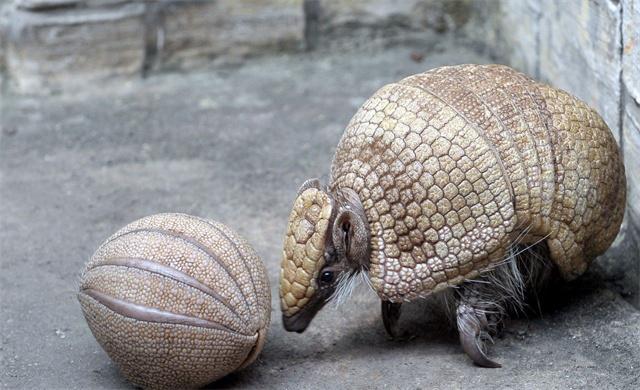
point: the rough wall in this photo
(43, 47)
(54, 45)
(351, 23)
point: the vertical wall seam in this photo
(621, 86)
(538, 38)
(150, 22)
(5, 24)
(311, 17)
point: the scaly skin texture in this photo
(176, 301)
(454, 165)
(303, 247)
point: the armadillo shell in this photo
(176, 301)
(456, 165)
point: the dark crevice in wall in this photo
(152, 31)
(622, 88)
(311, 9)
(50, 7)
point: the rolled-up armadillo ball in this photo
(176, 301)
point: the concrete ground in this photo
(234, 145)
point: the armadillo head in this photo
(326, 244)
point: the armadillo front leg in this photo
(477, 320)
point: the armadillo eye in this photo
(326, 277)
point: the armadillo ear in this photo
(311, 183)
(351, 237)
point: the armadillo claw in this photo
(471, 324)
(390, 317)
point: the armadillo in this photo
(458, 175)
(177, 301)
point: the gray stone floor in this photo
(233, 146)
